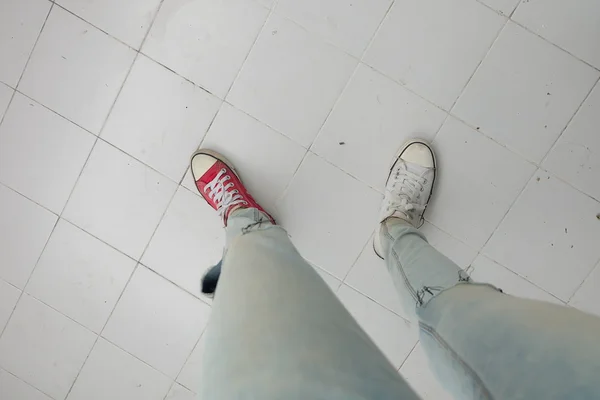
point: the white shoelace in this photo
(220, 193)
(405, 192)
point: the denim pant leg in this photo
(278, 332)
(484, 344)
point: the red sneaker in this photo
(219, 184)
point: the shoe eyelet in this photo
(245, 203)
(223, 170)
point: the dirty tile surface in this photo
(104, 238)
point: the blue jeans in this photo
(278, 332)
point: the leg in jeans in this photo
(277, 331)
(482, 343)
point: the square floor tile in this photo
(433, 47)
(419, 375)
(6, 94)
(20, 24)
(576, 155)
(266, 160)
(291, 80)
(80, 276)
(191, 374)
(391, 333)
(128, 21)
(76, 70)
(570, 25)
(372, 120)
(553, 249)
(370, 275)
(525, 92)
(349, 25)
(157, 322)
(44, 348)
(9, 295)
(587, 297)
(12, 387)
(119, 200)
(487, 271)
(188, 241)
(41, 153)
(328, 214)
(205, 41)
(111, 373)
(160, 118)
(24, 230)
(478, 182)
(505, 7)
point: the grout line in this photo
(510, 15)
(375, 301)
(334, 105)
(596, 266)
(96, 27)
(169, 390)
(12, 96)
(223, 101)
(125, 78)
(137, 159)
(364, 247)
(25, 67)
(179, 75)
(517, 197)
(404, 318)
(472, 268)
(569, 121)
(202, 299)
(407, 357)
(99, 335)
(98, 136)
(54, 112)
(405, 87)
(487, 53)
(28, 278)
(555, 45)
(34, 46)
(151, 25)
(60, 216)
(511, 19)
(499, 12)
(186, 361)
(376, 32)
(31, 200)
(308, 149)
(258, 36)
(24, 381)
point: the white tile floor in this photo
(103, 238)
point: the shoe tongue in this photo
(415, 168)
(401, 215)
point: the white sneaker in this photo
(409, 187)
